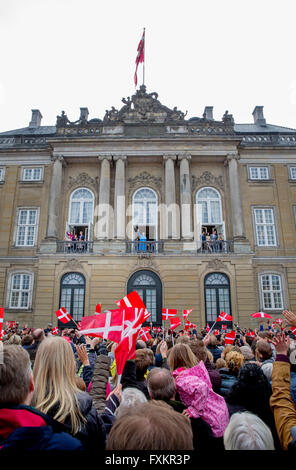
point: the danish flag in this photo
(224, 327)
(186, 313)
(279, 321)
(293, 331)
(55, 331)
(98, 309)
(167, 313)
(145, 334)
(224, 317)
(251, 334)
(1, 320)
(216, 332)
(63, 315)
(107, 325)
(188, 325)
(126, 348)
(230, 337)
(133, 300)
(175, 322)
(208, 328)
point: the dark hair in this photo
(252, 391)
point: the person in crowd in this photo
(200, 351)
(151, 426)
(234, 360)
(24, 428)
(247, 353)
(48, 329)
(213, 347)
(267, 336)
(130, 397)
(252, 393)
(246, 431)
(265, 357)
(57, 394)
(195, 389)
(281, 402)
(27, 340)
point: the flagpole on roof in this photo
(144, 56)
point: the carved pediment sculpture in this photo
(207, 178)
(144, 179)
(143, 107)
(83, 179)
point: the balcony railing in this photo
(142, 247)
(74, 247)
(216, 247)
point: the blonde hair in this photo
(181, 356)
(55, 383)
(234, 361)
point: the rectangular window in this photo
(265, 227)
(32, 174)
(271, 292)
(2, 174)
(20, 292)
(26, 227)
(293, 172)
(259, 173)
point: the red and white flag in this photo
(224, 317)
(107, 325)
(293, 331)
(126, 348)
(230, 337)
(208, 328)
(224, 327)
(251, 334)
(260, 315)
(63, 315)
(186, 313)
(98, 309)
(55, 331)
(1, 320)
(167, 313)
(78, 325)
(216, 332)
(189, 325)
(175, 322)
(133, 300)
(145, 334)
(279, 321)
(140, 56)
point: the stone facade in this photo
(250, 168)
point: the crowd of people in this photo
(182, 391)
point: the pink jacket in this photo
(195, 390)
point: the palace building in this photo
(192, 212)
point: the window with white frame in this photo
(81, 206)
(32, 174)
(27, 227)
(292, 172)
(271, 289)
(259, 172)
(20, 293)
(209, 206)
(265, 227)
(2, 174)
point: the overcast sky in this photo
(65, 54)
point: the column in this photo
(185, 197)
(54, 196)
(171, 210)
(103, 227)
(119, 197)
(235, 197)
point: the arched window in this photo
(72, 295)
(217, 296)
(145, 212)
(148, 285)
(81, 207)
(208, 202)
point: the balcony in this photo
(216, 247)
(74, 247)
(142, 247)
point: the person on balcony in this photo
(143, 239)
(214, 238)
(220, 242)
